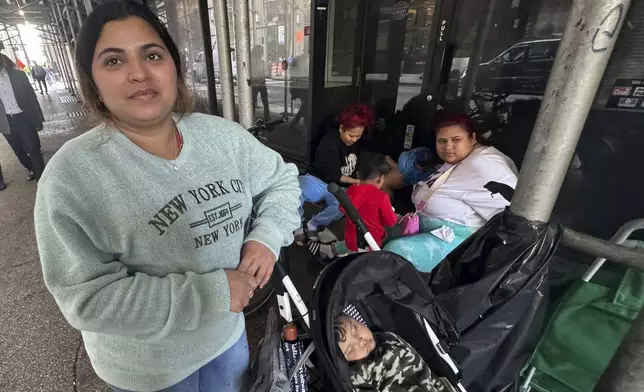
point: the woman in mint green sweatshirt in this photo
(143, 223)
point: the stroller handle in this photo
(353, 214)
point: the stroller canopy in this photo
(388, 292)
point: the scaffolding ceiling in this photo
(14, 12)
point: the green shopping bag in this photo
(584, 333)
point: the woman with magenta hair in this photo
(335, 160)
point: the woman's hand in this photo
(349, 180)
(242, 286)
(257, 260)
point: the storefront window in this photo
(184, 24)
(279, 31)
(517, 59)
(379, 48)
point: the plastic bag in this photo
(494, 285)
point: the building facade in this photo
(410, 58)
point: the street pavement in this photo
(39, 351)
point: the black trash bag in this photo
(494, 286)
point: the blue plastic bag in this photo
(407, 164)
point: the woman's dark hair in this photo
(372, 166)
(116, 10)
(356, 115)
(463, 121)
(338, 329)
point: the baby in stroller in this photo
(382, 361)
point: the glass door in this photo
(395, 51)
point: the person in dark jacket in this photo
(40, 75)
(20, 117)
(336, 159)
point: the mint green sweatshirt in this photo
(134, 251)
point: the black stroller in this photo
(389, 293)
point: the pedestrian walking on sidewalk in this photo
(155, 227)
(40, 75)
(260, 72)
(21, 117)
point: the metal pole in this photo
(588, 41)
(633, 258)
(55, 49)
(72, 35)
(54, 52)
(78, 14)
(62, 49)
(22, 44)
(482, 33)
(13, 51)
(225, 66)
(65, 48)
(242, 51)
(62, 68)
(88, 6)
(625, 372)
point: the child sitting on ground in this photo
(372, 204)
(383, 362)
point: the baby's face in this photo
(358, 340)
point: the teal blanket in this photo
(425, 250)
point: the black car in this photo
(523, 68)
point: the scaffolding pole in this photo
(55, 59)
(482, 32)
(66, 47)
(88, 6)
(62, 66)
(242, 51)
(72, 34)
(78, 13)
(588, 41)
(24, 48)
(62, 52)
(223, 52)
(62, 63)
(586, 46)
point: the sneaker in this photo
(2, 185)
(31, 176)
(312, 235)
(325, 253)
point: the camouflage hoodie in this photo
(394, 366)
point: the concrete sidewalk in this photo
(39, 351)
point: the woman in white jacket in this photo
(455, 195)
